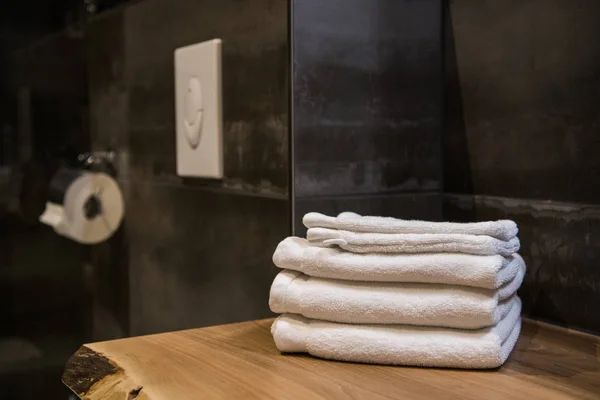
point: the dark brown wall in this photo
(190, 252)
(44, 302)
(367, 94)
(198, 252)
(522, 135)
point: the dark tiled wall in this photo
(528, 74)
(44, 301)
(203, 259)
(198, 252)
(190, 252)
(255, 86)
(108, 96)
(521, 140)
(561, 245)
(367, 106)
(425, 206)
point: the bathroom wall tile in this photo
(107, 278)
(372, 160)
(53, 72)
(200, 257)
(527, 122)
(367, 96)
(168, 218)
(255, 81)
(36, 260)
(410, 206)
(44, 304)
(104, 45)
(107, 274)
(560, 243)
(152, 93)
(63, 69)
(41, 286)
(255, 25)
(152, 155)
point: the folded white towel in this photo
(358, 242)
(347, 221)
(391, 303)
(400, 344)
(489, 272)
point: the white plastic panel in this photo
(198, 107)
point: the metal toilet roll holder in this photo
(98, 158)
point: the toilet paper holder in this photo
(94, 158)
(84, 205)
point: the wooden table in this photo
(240, 361)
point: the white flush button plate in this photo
(198, 109)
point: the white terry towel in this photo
(392, 303)
(358, 242)
(488, 272)
(348, 221)
(400, 344)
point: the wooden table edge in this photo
(86, 368)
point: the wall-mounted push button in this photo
(193, 112)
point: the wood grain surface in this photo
(240, 361)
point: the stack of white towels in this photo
(390, 291)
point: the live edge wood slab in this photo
(240, 361)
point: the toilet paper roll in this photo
(87, 207)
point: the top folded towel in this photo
(358, 242)
(347, 221)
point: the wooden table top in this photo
(240, 361)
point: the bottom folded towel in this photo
(400, 344)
